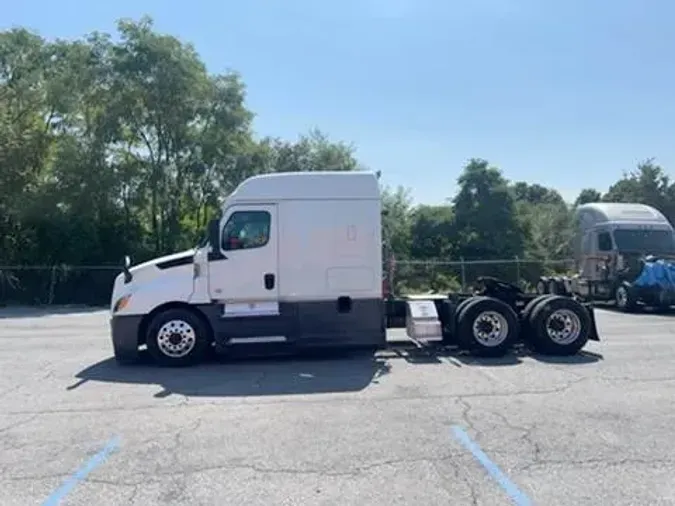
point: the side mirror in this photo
(214, 239)
(126, 264)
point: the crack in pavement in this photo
(191, 470)
(537, 461)
(330, 401)
(634, 380)
(597, 462)
(459, 478)
(19, 423)
(465, 416)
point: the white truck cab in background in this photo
(295, 258)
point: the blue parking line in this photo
(511, 489)
(60, 493)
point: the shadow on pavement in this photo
(510, 359)
(8, 312)
(300, 374)
(516, 356)
(297, 375)
(583, 357)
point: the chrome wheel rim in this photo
(176, 338)
(563, 326)
(490, 328)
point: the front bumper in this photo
(124, 330)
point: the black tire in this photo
(662, 303)
(445, 311)
(446, 314)
(527, 311)
(558, 326)
(625, 299)
(181, 324)
(661, 309)
(494, 314)
(462, 305)
(542, 287)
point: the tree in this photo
(127, 144)
(586, 196)
(536, 194)
(120, 145)
(313, 152)
(396, 220)
(432, 231)
(485, 214)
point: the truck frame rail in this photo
(496, 317)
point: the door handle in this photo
(269, 281)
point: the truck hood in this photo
(164, 262)
(176, 267)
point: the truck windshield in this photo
(645, 241)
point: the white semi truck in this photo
(296, 259)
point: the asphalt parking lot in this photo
(400, 428)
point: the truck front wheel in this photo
(177, 337)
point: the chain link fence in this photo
(424, 276)
(92, 285)
(57, 285)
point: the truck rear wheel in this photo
(487, 327)
(177, 338)
(525, 315)
(558, 326)
(463, 304)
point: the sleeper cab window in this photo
(604, 241)
(246, 230)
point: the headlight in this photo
(121, 303)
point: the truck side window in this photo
(604, 241)
(246, 230)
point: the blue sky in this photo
(567, 94)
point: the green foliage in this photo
(587, 196)
(127, 145)
(486, 223)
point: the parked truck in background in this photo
(623, 253)
(296, 260)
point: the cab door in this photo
(245, 279)
(602, 252)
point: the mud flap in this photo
(593, 333)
